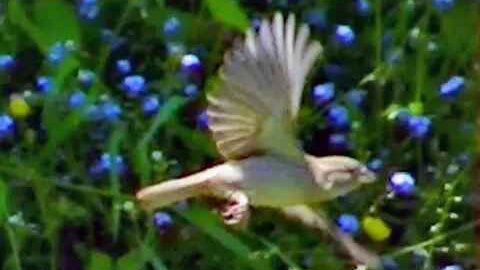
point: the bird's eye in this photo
(363, 170)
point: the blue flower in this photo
(123, 66)
(109, 37)
(94, 112)
(110, 111)
(452, 267)
(463, 159)
(108, 162)
(344, 35)
(356, 97)
(6, 61)
(443, 5)
(419, 126)
(387, 39)
(452, 87)
(348, 223)
(338, 141)
(77, 99)
(322, 93)
(107, 111)
(402, 183)
(402, 118)
(86, 77)
(375, 165)
(389, 263)
(363, 7)
(338, 117)
(44, 84)
(6, 126)
(150, 105)
(202, 120)
(134, 85)
(191, 90)
(58, 51)
(190, 63)
(394, 56)
(171, 26)
(175, 48)
(163, 221)
(88, 9)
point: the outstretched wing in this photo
(261, 88)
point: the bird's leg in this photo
(235, 212)
(311, 218)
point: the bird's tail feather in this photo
(172, 191)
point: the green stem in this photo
(273, 249)
(378, 62)
(418, 150)
(421, 59)
(420, 71)
(435, 239)
(166, 113)
(94, 191)
(14, 246)
(41, 189)
(378, 32)
(113, 148)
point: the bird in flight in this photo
(252, 118)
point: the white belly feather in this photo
(271, 181)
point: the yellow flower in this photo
(19, 108)
(376, 228)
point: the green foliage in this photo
(56, 21)
(228, 12)
(57, 214)
(18, 17)
(100, 260)
(3, 200)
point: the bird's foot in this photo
(236, 210)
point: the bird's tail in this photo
(172, 191)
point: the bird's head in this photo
(338, 175)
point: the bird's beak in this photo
(366, 176)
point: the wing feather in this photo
(260, 90)
(278, 33)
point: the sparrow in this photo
(252, 118)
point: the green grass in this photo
(73, 220)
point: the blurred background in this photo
(100, 98)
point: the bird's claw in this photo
(236, 210)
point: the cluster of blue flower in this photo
(339, 108)
(108, 110)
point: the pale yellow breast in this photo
(271, 181)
